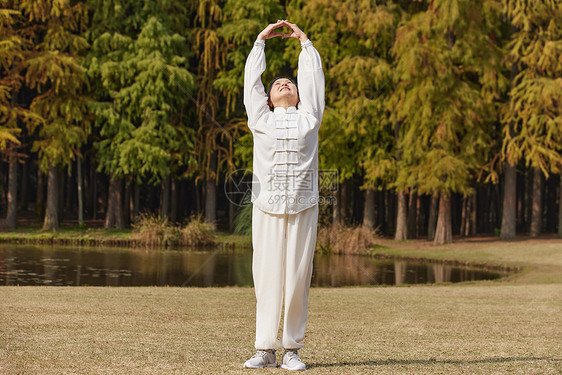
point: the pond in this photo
(48, 265)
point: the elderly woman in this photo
(284, 123)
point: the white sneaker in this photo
(262, 358)
(291, 361)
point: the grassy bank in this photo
(70, 236)
(470, 329)
(100, 237)
(540, 260)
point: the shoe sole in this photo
(292, 369)
(268, 365)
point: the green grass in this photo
(99, 237)
(71, 236)
(502, 327)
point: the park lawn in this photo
(504, 327)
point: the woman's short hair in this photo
(271, 85)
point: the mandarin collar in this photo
(291, 109)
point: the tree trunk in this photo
(401, 218)
(211, 192)
(114, 214)
(60, 185)
(536, 213)
(336, 219)
(432, 217)
(93, 189)
(509, 217)
(165, 198)
(391, 211)
(210, 200)
(136, 202)
(381, 212)
(198, 199)
(127, 204)
(413, 216)
(560, 208)
(68, 196)
(231, 210)
(80, 185)
(10, 222)
(444, 231)
(369, 211)
(40, 200)
(529, 197)
(24, 192)
(344, 202)
(464, 216)
(51, 221)
(174, 201)
(551, 212)
(473, 211)
(467, 228)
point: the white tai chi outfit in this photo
(284, 196)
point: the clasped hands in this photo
(269, 32)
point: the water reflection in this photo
(36, 265)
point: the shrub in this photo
(151, 230)
(243, 220)
(342, 239)
(197, 232)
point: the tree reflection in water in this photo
(37, 265)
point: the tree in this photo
(53, 71)
(225, 142)
(354, 39)
(210, 53)
(446, 69)
(11, 58)
(142, 121)
(532, 117)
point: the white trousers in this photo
(282, 265)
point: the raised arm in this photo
(310, 77)
(255, 98)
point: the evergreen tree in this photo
(532, 117)
(446, 66)
(53, 71)
(209, 53)
(354, 39)
(140, 111)
(228, 141)
(11, 58)
(12, 55)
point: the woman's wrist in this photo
(303, 38)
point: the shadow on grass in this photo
(431, 361)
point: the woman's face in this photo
(282, 92)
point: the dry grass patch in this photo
(154, 231)
(337, 238)
(470, 329)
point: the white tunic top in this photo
(285, 175)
